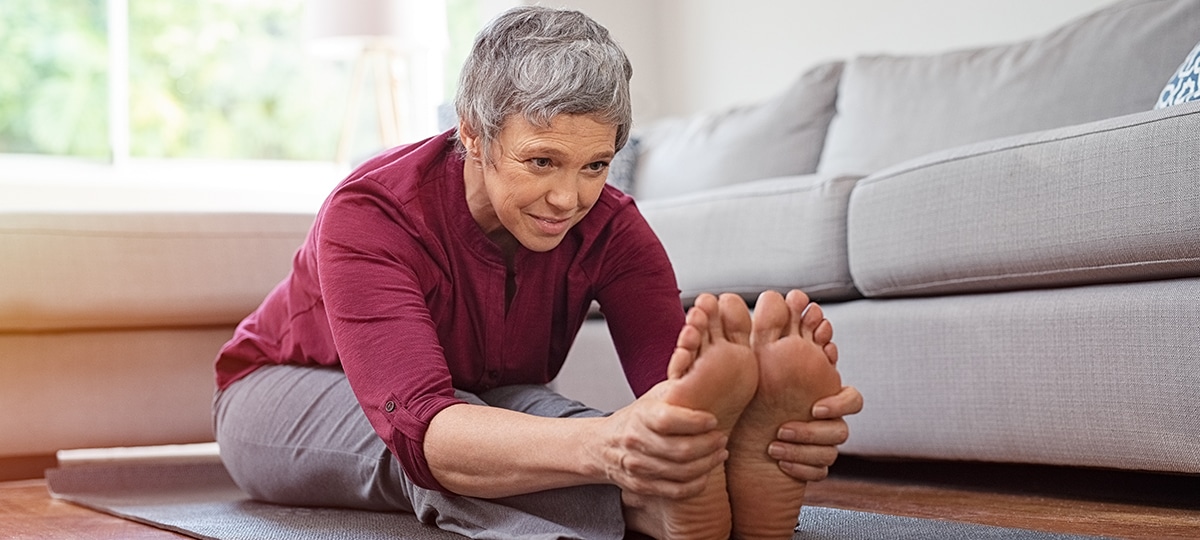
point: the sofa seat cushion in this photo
(779, 137)
(1115, 200)
(1110, 63)
(778, 233)
(79, 270)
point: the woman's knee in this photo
(299, 437)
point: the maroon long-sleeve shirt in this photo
(398, 285)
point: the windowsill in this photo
(47, 184)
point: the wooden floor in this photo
(1091, 502)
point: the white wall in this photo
(696, 55)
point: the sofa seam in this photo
(999, 277)
(709, 196)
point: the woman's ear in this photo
(470, 139)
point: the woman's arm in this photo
(649, 448)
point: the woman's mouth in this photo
(552, 226)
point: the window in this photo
(198, 79)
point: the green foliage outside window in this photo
(213, 79)
(229, 79)
(53, 83)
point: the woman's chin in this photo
(541, 243)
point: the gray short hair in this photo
(541, 62)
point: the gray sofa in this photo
(1006, 239)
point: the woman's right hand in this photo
(661, 450)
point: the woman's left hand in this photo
(805, 450)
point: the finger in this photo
(662, 488)
(658, 468)
(681, 450)
(804, 473)
(848, 401)
(667, 420)
(816, 456)
(815, 432)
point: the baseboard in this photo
(26, 467)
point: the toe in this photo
(797, 303)
(811, 319)
(707, 304)
(770, 318)
(687, 347)
(735, 318)
(797, 298)
(831, 352)
(824, 333)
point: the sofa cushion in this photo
(1114, 200)
(105, 388)
(1100, 376)
(80, 270)
(779, 137)
(779, 233)
(1109, 63)
(1182, 87)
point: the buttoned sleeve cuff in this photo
(407, 442)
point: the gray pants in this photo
(296, 435)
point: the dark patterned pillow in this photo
(1183, 85)
(624, 165)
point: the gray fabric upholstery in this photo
(779, 233)
(1100, 376)
(1114, 200)
(780, 137)
(892, 108)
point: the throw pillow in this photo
(782, 136)
(623, 165)
(1182, 86)
(1107, 64)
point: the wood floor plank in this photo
(28, 512)
(1104, 503)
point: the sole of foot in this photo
(714, 369)
(790, 338)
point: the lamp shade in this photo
(342, 27)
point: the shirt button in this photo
(494, 374)
(389, 406)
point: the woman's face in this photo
(540, 181)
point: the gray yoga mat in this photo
(201, 501)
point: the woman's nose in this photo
(563, 195)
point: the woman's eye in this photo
(597, 166)
(540, 163)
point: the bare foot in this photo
(713, 369)
(796, 367)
